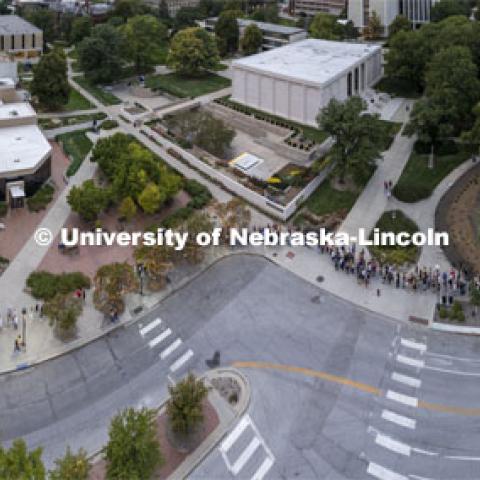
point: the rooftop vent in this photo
(13, 113)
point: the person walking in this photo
(17, 344)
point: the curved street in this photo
(337, 391)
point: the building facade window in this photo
(23, 42)
(357, 80)
(2, 42)
(33, 40)
(349, 85)
(12, 42)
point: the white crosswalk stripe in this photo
(148, 328)
(159, 338)
(412, 362)
(406, 380)
(399, 419)
(245, 427)
(383, 473)
(421, 347)
(171, 348)
(181, 361)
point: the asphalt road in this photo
(337, 392)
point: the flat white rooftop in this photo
(10, 111)
(23, 148)
(315, 61)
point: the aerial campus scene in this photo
(239, 239)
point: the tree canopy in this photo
(101, 55)
(50, 82)
(400, 24)
(356, 137)
(227, 32)
(144, 34)
(133, 451)
(88, 200)
(252, 39)
(72, 466)
(325, 26)
(448, 8)
(81, 28)
(20, 463)
(192, 52)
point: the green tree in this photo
(192, 51)
(350, 31)
(151, 198)
(356, 137)
(228, 32)
(107, 152)
(50, 81)
(4, 10)
(63, 311)
(72, 466)
(144, 34)
(127, 208)
(185, 406)
(126, 9)
(19, 463)
(81, 28)
(374, 29)
(477, 11)
(65, 24)
(112, 282)
(325, 26)
(472, 137)
(101, 55)
(213, 135)
(252, 39)
(44, 19)
(451, 80)
(133, 451)
(406, 59)
(429, 121)
(400, 24)
(88, 200)
(186, 17)
(164, 13)
(449, 8)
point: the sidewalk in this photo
(373, 201)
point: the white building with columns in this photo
(296, 81)
(417, 11)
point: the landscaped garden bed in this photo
(41, 198)
(395, 221)
(51, 123)
(76, 145)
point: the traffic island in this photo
(228, 397)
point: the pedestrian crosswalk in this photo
(170, 347)
(245, 452)
(395, 414)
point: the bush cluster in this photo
(41, 198)
(45, 285)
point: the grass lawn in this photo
(418, 182)
(327, 199)
(107, 98)
(76, 145)
(184, 87)
(76, 101)
(396, 221)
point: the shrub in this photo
(456, 312)
(447, 147)
(109, 124)
(3, 209)
(199, 193)
(177, 217)
(45, 285)
(72, 466)
(41, 198)
(442, 312)
(422, 148)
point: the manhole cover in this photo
(320, 279)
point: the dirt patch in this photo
(172, 457)
(458, 213)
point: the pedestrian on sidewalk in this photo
(1, 322)
(16, 344)
(15, 321)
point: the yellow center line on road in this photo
(436, 407)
